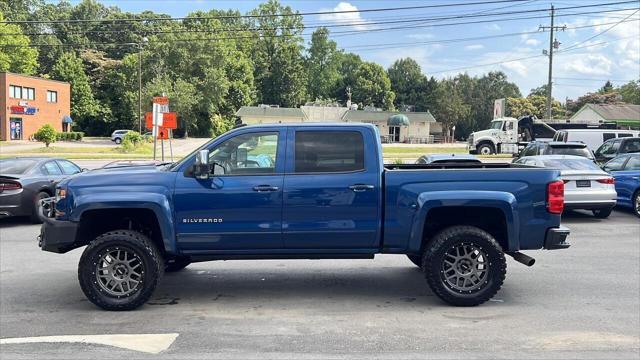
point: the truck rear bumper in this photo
(556, 238)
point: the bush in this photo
(70, 136)
(132, 141)
(46, 134)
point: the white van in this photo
(593, 137)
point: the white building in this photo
(624, 115)
(407, 127)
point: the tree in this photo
(279, 66)
(490, 87)
(348, 65)
(183, 98)
(84, 107)
(322, 65)
(46, 134)
(518, 107)
(606, 88)
(407, 82)
(540, 91)
(373, 87)
(630, 92)
(450, 107)
(15, 53)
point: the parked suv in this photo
(614, 147)
(118, 135)
(557, 148)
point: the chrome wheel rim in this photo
(465, 268)
(485, 150)
(119, 272)
(637, 204)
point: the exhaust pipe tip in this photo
(522, 258)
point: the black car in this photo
(614, 147)
(575, 148)
(25, 181)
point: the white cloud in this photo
(346, 17)
(592, 64)
(532, 42)
(474, 47)
(494, 27)
(517, 66)
(421, 36)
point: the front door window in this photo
(394, 133)
(15, 128)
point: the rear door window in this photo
(633, 163)
(68, 168)
(51, 168)
(328, 151)
(621, 135)
(631, 145)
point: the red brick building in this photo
(28, 102)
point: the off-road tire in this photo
(35, 219)
(486, 149)
(433, 259)
(602, 213)
(176, 264)
(152, 269)
(416, 259)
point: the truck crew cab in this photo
(302, 192)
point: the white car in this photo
(586, 186)
(118, 135)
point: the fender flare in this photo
(504, 201)
(158, 203)
(483, 140)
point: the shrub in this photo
(131, 141)
(70, 136)
(46, 134)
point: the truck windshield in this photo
(496, 125)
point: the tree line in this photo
(213, 62)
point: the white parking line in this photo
(148, 343)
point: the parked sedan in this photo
(447, 159)
(586, 186)
(626, 170)
(575, 148)
(25, 181)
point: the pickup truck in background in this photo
(302, 191)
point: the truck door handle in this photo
(265, 188)
(361, 187)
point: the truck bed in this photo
(451, 165)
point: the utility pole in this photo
(553, 44)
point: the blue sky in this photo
(611, 54)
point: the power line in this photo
(303, 14)
(602, 32)
(271, 15)
(594, 80)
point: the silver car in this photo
(586, 186)
(118, 135)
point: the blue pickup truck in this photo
(302, 191)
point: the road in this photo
(579, 303)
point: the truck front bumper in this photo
(55, 235)
(556, 238)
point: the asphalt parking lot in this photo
(583, 302)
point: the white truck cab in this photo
(505, 135)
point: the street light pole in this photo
(140, 88)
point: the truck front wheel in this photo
(464, 265)
(486, 149)
(120, 269)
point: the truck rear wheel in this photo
(119, 270)
(464, 265)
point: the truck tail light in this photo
(9, 185)
(609, 181)
(555, 197)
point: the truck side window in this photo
(247, 154)
(607, 136)
(328, 151)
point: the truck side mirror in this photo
(201, 167)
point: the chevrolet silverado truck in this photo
(302, 191)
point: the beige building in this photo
(624, 115)
(406, 127)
